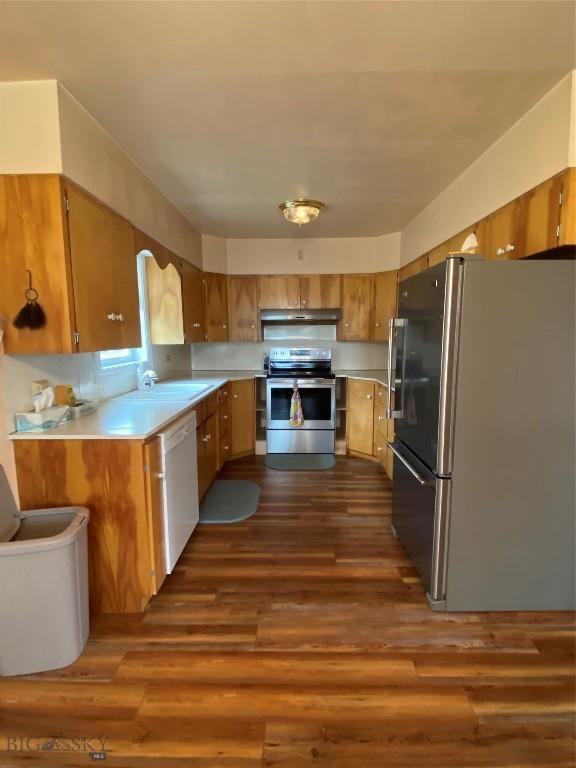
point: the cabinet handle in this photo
(224, 415)
(381, 418)
(304, 301)
(195, 325)
(111, 316)
(206, 438)
(253, 325)
(346, 325)
(224, 325)
(160, 475)
(368, 397)
(296, 302)
(120, 317)
(235, 397)
(377, 325)
(226, 448)
(380, 449)
(509, 247)
(500, 251)
(381, 393)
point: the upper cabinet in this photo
(413, 268)
(105, 276)
(82, 260)
(498, 234)
(385, 303)
(299, 291)
(567, 228)
(243, 308)
(216, 299)
(319, 291)
(355, 324)
(279, 292)
(164, 293)
(193, 304)
(539, 218)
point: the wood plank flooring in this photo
(299, 638)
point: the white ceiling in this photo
(232, 107)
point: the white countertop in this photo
(124, 418)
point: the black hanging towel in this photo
(31, 315)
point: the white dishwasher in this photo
(180, 486)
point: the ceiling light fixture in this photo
(301, 211)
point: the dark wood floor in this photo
(302, 638)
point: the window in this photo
(113, 359)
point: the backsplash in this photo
(83, 372)
(360, 356)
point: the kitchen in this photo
(260, 635)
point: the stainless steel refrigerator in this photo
(481, 362)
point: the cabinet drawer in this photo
(205, 408)
(380, 420)
(380, 447)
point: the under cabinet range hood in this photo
(300, 316)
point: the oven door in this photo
(318, 398)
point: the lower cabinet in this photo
(360, 416)
(207, 449)
(242, 418)
(117, 480)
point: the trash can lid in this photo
(9, 514)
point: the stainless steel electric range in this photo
(311, 369)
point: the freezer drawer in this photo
(419, 517)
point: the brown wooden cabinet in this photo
(207, 453)
(279, 291)
(385, 303)
(319, 291)
(360, 416)
(110, 477)
(216, 306)
(243, 308)
(164, 294)
(223, 425)
(413, 267)
(357, 297)
(194, 307)
(567, 228)
(82, 262)
(242, 417)
(155, 510)
(499, 234)
(539, 218)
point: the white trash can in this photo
(44, 620)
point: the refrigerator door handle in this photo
(394, 322)
(404, 461)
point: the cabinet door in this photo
(193, 304)
(242, 417)
(216, 307)
(202, 461)
(280, 292)
(211, 439)
(164, 293)
(32, 237)
(223, 425)
(568, 209)
(105, 277)
(385, 303)
(414, 267)
(243, 308)
(155, 510)
(356, 308)
(360, 417)
(539, 218)
(498, 236)
(319, 291)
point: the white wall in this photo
(313, 255)
(93, 159)
(29, 128)
(214, 253)
(535, 148)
